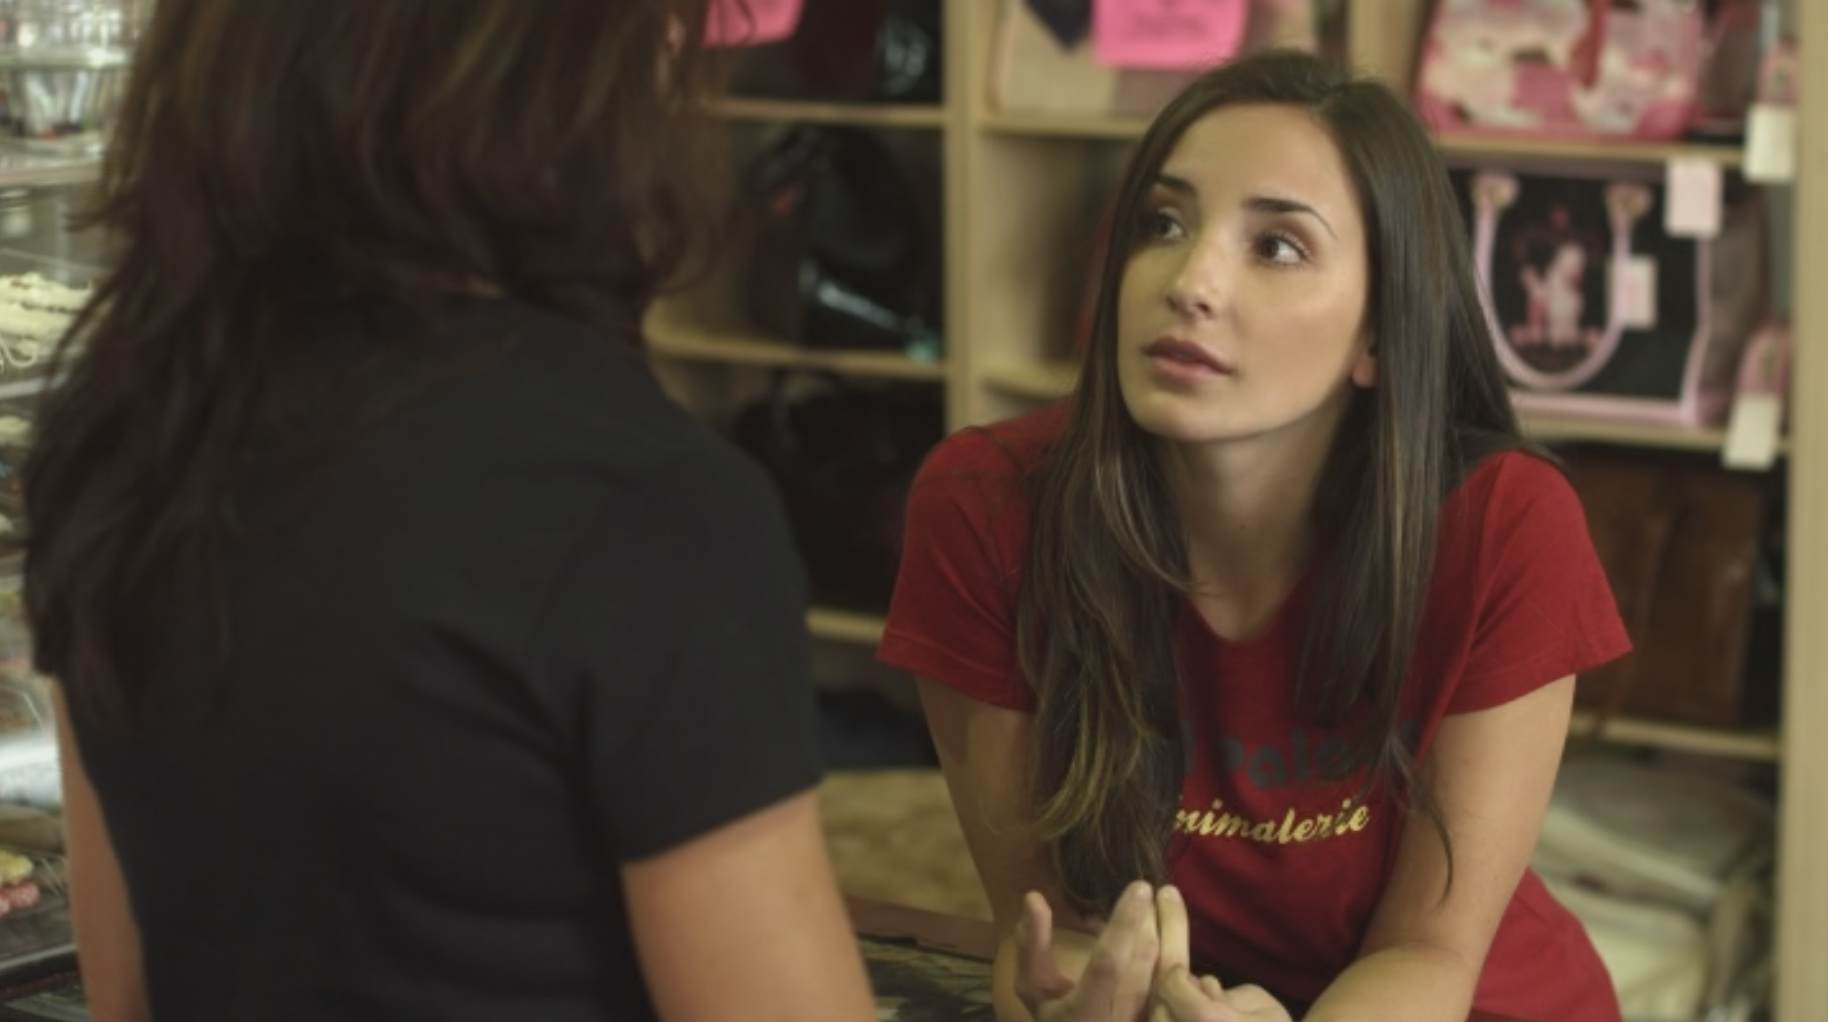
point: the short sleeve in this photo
(681, 650)
(1545, 607)
(953, 615)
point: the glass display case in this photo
(62, 66)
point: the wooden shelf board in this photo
(851, 626)
(22, 387)
(1592, 152)
(1675, 438)
(1761, 745)
(868, 115)
(22, 168)
(1064, 125)
(740, 348)
(1038, 381)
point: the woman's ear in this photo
(1364, 368)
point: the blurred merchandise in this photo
(1563, 69)
(65, 63)
(1597, 307)
(1669, 869)
(1045, 60)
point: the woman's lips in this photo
(1181, 358)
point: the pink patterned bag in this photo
(1563, 69)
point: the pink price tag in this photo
(751, 22)
(1167, 34)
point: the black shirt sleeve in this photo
(680, 645)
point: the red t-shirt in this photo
(1280, 881)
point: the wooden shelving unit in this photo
(862, 115)
(1756, 745)
(849, 626)
(1585, 152)
(1049, 125)
(733, 347)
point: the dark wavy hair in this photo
(271, 155)
(1107, 571)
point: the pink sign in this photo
(1167, 34)
(751, 22)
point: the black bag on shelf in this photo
(843, 454)
(842, 258)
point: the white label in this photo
(1635, 293)
(1692, 205)
(1752, 432)
(1770, 144)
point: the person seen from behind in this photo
(416, 657)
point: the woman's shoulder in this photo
(515, 384)
(1507, 479)
(1516, 500)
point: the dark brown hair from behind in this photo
(1107, 571)
(272, 155)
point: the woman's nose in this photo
(1199, 286)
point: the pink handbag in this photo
(1563, 69)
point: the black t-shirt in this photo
(535, 622)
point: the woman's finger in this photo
(1038, 978)
(1138, 936)
(1171, 922)
(1117, 977)
(1257, 1003)
(1182, 999)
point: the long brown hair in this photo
(272, 154)
(1107, 571)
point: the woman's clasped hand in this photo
(1140, 967)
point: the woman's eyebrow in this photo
(1255, 203)
(1278, 204)
(1178, 185)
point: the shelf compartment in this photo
(864, 115)
(1758, 745)
(749, 349)
(1093, 126)
(851, 626)
(1587, 152)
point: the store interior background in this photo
(1008, 195)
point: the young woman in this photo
(419, 659)
(1279, 607)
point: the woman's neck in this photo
(1247, 512)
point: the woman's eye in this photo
(1277, 248)
(1160, 225)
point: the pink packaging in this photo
(1563, 69)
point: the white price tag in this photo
(1752, 432)
(1770, 144)
(1635, 292)
(1692, 204)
